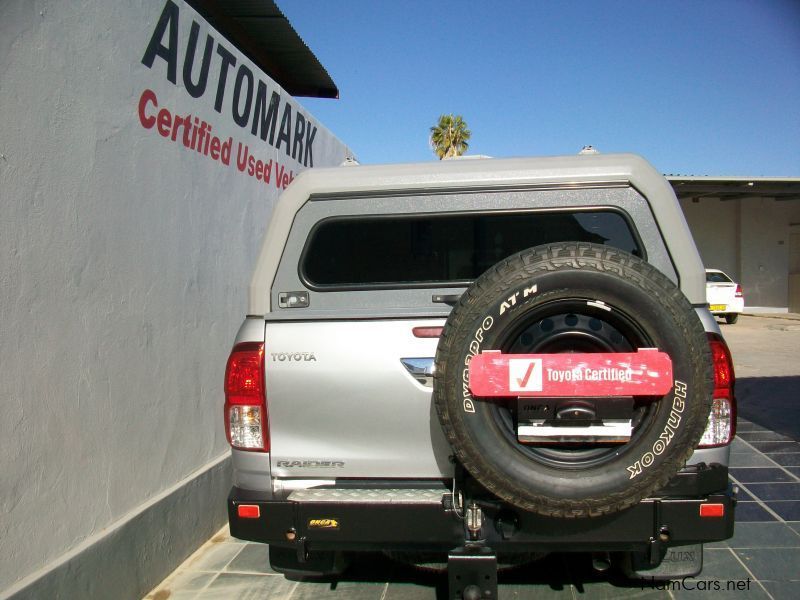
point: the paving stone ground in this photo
(762, 560)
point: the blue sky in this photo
(697, 87)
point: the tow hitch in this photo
(472, 568)
(472, 572)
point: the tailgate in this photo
(342, 404)
(720, 294)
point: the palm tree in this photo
(449, 136)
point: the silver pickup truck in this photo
(481, 360)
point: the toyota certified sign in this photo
(647, 372)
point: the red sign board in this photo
(647, 372)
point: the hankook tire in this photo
(574, 297)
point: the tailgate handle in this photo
(451, 299)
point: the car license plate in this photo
(717, 307)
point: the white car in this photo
(724, 296)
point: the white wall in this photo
(124, 272)
(715, 227)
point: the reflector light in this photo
(246, 424)
(427, 332)
(251, 511)
(712, 510)
(721, 426)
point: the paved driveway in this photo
(761, 561)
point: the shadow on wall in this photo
(771, 402)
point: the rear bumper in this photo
(363, 520)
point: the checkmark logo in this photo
(524, 381)
(525, 375)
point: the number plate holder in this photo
(580, 421)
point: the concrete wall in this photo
(715, 227)
(764, 249)
(794, 264)
(125, 262)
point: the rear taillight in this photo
(722, 421)
(739, 293)
(246, 423)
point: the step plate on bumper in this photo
(368, 496)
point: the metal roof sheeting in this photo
(262, 32)
(732, 188)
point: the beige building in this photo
(748, 227)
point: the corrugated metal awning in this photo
(733, 188)
(261, 31)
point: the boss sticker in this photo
(323, 524)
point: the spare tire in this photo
(573, 297)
